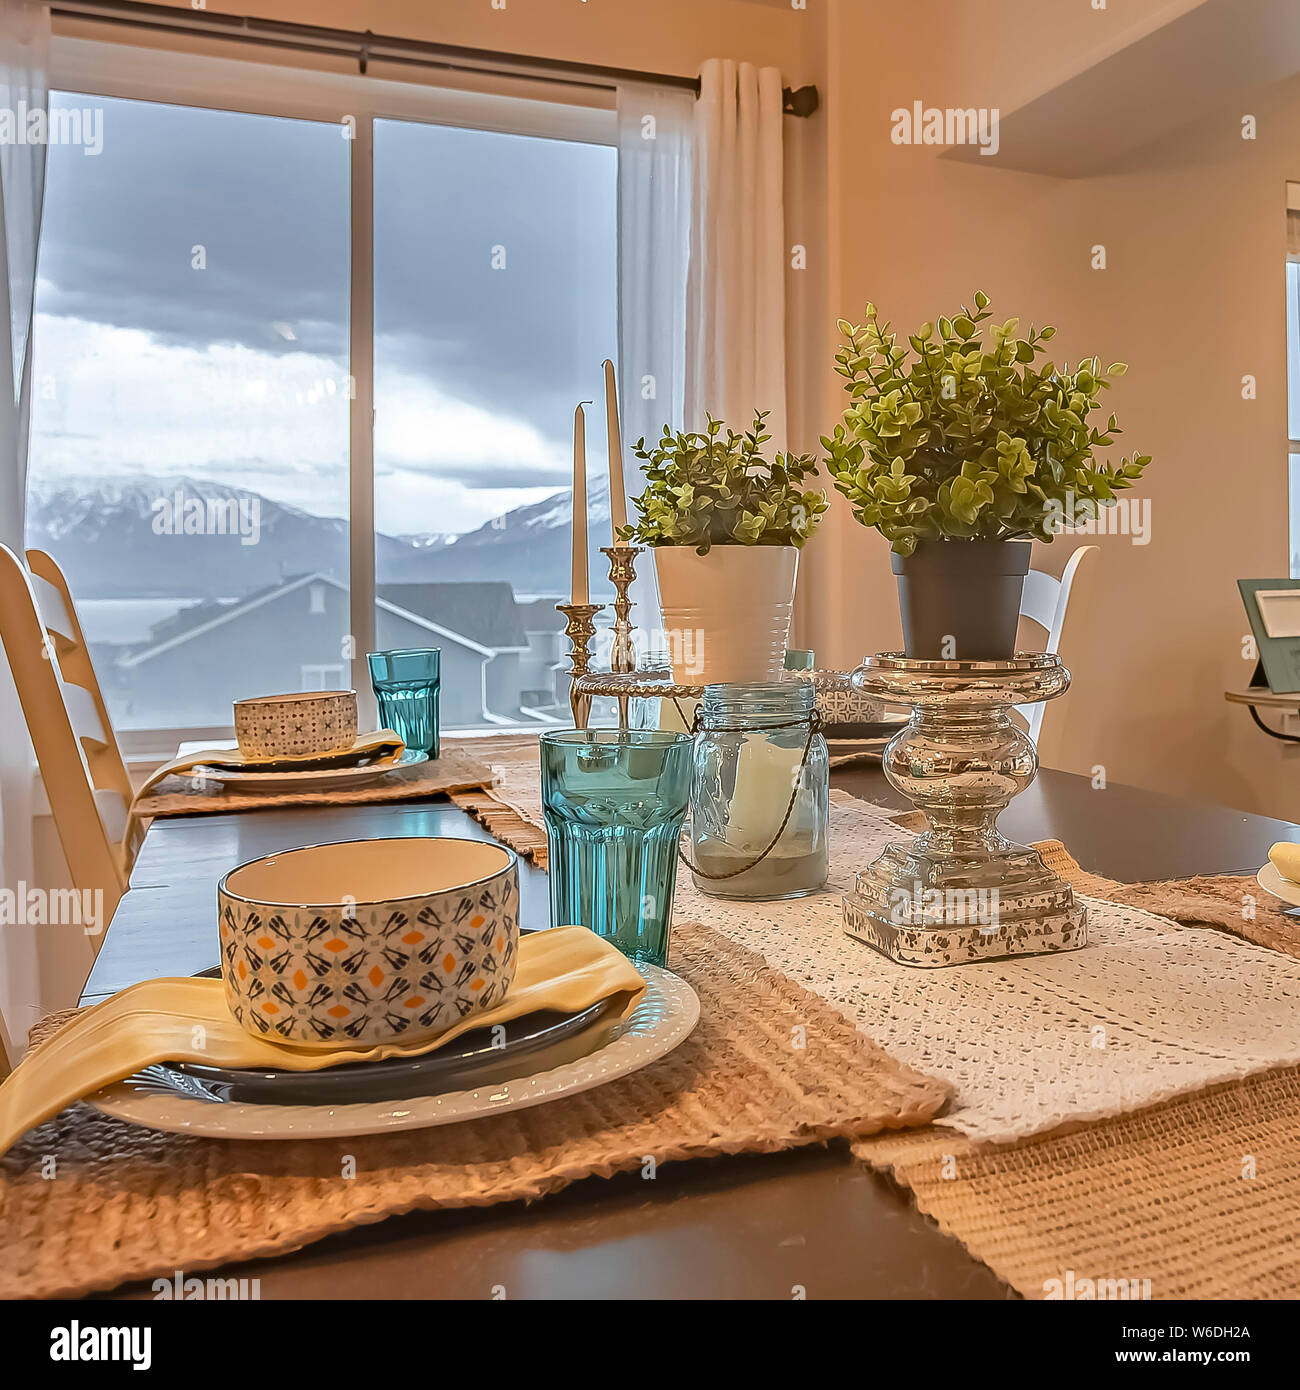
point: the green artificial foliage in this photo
(963, 439)
(717, 489)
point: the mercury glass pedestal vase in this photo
(959, 891)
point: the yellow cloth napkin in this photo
(384, 743)
(1285, 858)
(186, 1020)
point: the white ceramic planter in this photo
(727, 614)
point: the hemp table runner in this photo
(88, 1202)
(457, 769)
(1195, 1198)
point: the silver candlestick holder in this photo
(579, 628)
(959, 891)
(622, 571)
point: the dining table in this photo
(809, 1222)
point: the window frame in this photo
(1293, 390)
(210, 76)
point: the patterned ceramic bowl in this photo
(296, 726)
(370, 940)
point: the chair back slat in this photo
(54, 610)
(1039, 601)
(114, 811)
(1047, 602)
(86, 722)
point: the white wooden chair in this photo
(81, 765)
(63, 626)
(1047, 602)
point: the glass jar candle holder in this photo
(761, 767)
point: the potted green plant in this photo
(962, 451)
(725, 526)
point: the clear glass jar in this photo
(749, 767)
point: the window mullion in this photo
(361, 472)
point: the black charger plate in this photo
(478, 1057)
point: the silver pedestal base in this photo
(932, 911)
(960, 892)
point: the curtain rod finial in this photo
(802, 101)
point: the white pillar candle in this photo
(580, 591)
(765, 777)
(617, 492)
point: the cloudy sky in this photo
(237, 370)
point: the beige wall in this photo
(672, 36)
(1192, 300)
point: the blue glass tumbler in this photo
(406, 686)
(614, 802)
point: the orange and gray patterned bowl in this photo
(368, 941)
(300, 725)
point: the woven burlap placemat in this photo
(1198, 1197)
(456, 769)
(88, 1202)
(506, 824)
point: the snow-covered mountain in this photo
(127, 537)
(107, 534)
(530, 546)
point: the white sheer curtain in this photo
(24, 48)
(735, 355)
(655, 136)
(655, 127)
(24, 60)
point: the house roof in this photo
(484, 611)
(204, 617)
(209, 609)
(541, 615)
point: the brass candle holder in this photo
(579, 628)
(622, 571)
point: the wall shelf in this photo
(1197, 61)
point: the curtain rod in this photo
(362, 47)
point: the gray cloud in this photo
(268, 203)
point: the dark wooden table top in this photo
(723, 1228)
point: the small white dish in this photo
(663, 1018)
(1271, 881)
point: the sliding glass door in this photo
(189, 458)
(495, 302)
(247, 486)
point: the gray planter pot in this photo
(961, 599)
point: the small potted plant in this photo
(960, 453)
(725, 527)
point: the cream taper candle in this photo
(579, 585)
(617, 494)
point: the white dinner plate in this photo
(313, 779)
(663, 1018)
(1271, 881)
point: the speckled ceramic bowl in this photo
(302, 725)
(370, 940)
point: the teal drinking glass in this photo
(614, 802)
(406, 686)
